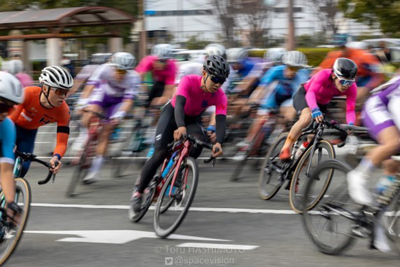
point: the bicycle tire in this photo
(162, 231)
(263, 193)
(295, 196)
(136, 217)
(323, 213)
(77, 176)
(22, 188)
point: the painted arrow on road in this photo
(115, 236)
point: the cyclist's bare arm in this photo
(126, 105)
(245, 86)
(7, 181)
(77, 85)
(87, 91)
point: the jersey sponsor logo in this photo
(204, 104)
(44, 120)
(158, 137)
(222, 106)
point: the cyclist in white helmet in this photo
(11, 93)
(16, 68)
(163, 71)
(42, 105)
(111, 91)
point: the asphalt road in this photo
(227, 226)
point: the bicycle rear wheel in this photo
(392, 221)
(11, 234)
(182, 193)
(270, 180)
(323, 151)
(331, 224)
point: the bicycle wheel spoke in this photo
(331, 224)
(175, 199)
(270, 179)
(10, 234)
(306, 165)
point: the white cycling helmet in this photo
(275, 54)
(295, 59)
(237, 54)
(57, 77)
(10, 88)
(215, 50)
(15, 66)
(162, 51)
(123, 60)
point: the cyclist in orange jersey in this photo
(42, 105)
(368, 76)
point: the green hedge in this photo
(314, 55)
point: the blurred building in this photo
(178, 20)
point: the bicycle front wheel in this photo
(331, 225)
(305, 167)
(270, 180)
(181, 194)
(10, 234)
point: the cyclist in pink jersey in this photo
(163, 71)
(313, 97)
(182, 115)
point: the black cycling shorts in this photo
(300, 103)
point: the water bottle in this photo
(301, 150)
(384, 183)
(168, 167)
(115, 133)
(17, 167)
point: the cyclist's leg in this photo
(164, 135)
(382, 128)
(25, 143)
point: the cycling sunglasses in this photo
(121, 71)
(59, 92)
(217, 79)
(345, 82)
(5, 107)
(292, 68)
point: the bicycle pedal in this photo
(361, 232)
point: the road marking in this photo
(115, 236)
(217, 246)
(203, 209)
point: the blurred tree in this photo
(255, 14)
(326, 11)
(195, 43)
(226, 11)
(384, 14)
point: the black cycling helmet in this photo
(345, 68)
(217, 66)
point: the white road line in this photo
(217, 246)
(203, 209)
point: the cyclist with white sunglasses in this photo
(312, 98)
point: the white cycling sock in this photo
(96, 164)
(381, 241)
(365, 166)
(83, 131)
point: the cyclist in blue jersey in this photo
(11, 93)
(276, 90)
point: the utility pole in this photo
(290, 42)
(142, 35)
